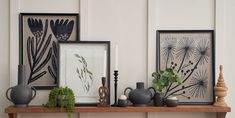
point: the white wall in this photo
(229, 50)
(4, 52)
(124, 22)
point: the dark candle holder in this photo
(115, 87)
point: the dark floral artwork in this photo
(191, 54)
(38, 46)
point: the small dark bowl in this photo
(122, 103)
(171, 103)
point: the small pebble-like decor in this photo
(220, 90)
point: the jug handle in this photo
(7, 94)
(128, 88)
(152, 93)
(35, 91)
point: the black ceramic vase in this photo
(158, 99)
(139, 96)
(171, 102)
(21, 94)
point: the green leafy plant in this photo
(163, 79)
(62, 97)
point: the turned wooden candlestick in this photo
(220, 90)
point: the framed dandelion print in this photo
(39, 34)
(81, 67)
(191, 54)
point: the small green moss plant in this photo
(62, 97)
(163, 79)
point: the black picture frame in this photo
(71, 55)
(38, 48)
(192, 54)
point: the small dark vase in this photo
(21, 94)
(158, 99)
(139, 96)
(171, 102)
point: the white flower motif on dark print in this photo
(61, 29)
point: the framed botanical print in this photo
(81, 67)
(39, 34)
(191, 54)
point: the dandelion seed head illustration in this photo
(185, 48)
(200, 84)
(168, 49)
(202, 51)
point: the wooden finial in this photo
(220, 90)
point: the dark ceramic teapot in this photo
(21, 94)
(140, 96)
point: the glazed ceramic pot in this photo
(158, 99)
(139, 96)
(122, 103)
(21, 94)
(171, 102)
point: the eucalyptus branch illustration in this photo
(201, 56)
(85, 75)
(36, 54)
(53, 68)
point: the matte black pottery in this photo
(158, 99)
(171, 102)
(21, 94)
(139, 96)
(122, 103)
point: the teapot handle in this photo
(128, 88)
(152, 93)
(35, 91)
(7, 94)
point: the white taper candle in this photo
(105, 63)
(116, 58)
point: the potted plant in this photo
(62, 97)
(162, 81)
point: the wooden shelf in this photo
(221, 111)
